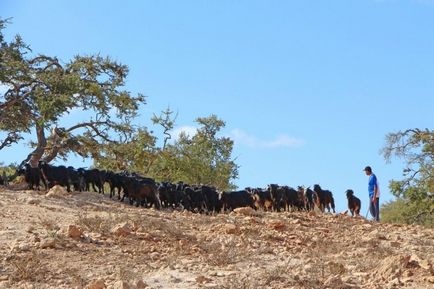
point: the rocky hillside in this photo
(85, 240)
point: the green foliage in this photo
(415, 192)
(408, 212)
(137, 153)
(204, 158)
(8, 169)
(42, 90)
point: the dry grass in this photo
(51, 227)
(97, 224)
(75, 278)
(28, 267)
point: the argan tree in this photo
(204, 158)
(415, 192)
(41, 90)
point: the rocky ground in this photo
(86, 240)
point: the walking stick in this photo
(370, 200)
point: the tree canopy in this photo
(41, 91)
(415, 192)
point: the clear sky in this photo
(308, 89)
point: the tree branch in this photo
(94, 126)
(13, 137)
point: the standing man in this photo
(374, 194)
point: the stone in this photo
(231, 229)
(97, 284)
(30, 229)
(333, 281)
(154, 256)
(47, 243)
(295, 221)
(141, 285)
(56, 192)
(121, 230)
(33, 201)
(23, 247)
(246, 211)
(74, 231)
(277, 225)
(202, 279)
(121, 285)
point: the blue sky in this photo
(308, 89)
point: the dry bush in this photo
(49, 225)
(245, 282)
(162, 229)
(98, 224)
(28, 267)
(76, 279)
(126, 273)
(217, 255)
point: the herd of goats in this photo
(143, 191)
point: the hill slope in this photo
(86, 240)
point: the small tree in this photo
(416, 189)
(203, 158)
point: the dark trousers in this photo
(374, 208)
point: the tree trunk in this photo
(34, 157)
(55, 138)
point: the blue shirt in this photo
(371, 185)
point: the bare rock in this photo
(74, 231)
(57, 192)
(24, 247)
(295, 221)
(333, 281)
(277, 225)
(47, 243)
(312, 213)
(422, 263)
(33, 201)
(121, 285)
(18, 246)
(141, 285)
(122, 230)
(30, 229)
(97, 284)
(231, 229)
(154, 256)
(246, 211)
(336, 268)
(202, 279)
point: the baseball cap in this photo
(368, 168)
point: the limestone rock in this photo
(122, 230)
(333, 281)
(47, 243)
(33, 201)
(247, 211)
(97, 284)
(74, 231)
(231, 229)
(57, 192)
(277, 225)
(141, 285)
(121, 285)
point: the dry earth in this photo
(86, 240)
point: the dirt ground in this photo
(86, 240)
